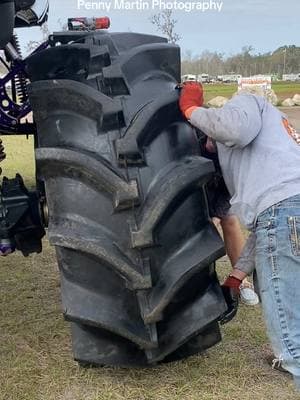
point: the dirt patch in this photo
(294, 115)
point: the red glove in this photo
(233, 283)
(191, 97)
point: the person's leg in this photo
(278, 270)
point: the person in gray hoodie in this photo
(259, 157)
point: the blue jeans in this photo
(278, 272)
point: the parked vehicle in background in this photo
(204, 78)
(229, 78)
(189, 77)
(291, 77)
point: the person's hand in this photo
(231, 292)
(191, 97)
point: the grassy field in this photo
(35, 347)
(36, 360)
(282, 89)
(20, 158)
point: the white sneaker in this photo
(248, 296)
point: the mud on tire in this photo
(125, 182)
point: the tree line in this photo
(284, 60)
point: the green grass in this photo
(35, 350)
(282, 89)
(36, 360)
(218, 89)
(20, 158)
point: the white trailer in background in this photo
(189, 77)
(204, 78)
(229, 78)
(291, 77)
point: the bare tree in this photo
(62, 25)
(246, 62)
(165, 23)
(33, 44)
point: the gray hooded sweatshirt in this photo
(259, 157)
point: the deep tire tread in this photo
(134, 287)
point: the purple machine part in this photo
(11, 112)
(6, 247)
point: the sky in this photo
(226, 27)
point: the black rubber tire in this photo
(7, 18)
(125, 182)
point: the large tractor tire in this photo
(125, 185)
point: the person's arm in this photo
(235, 124)
(246, 261)
(231, 287)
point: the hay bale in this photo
(288, 102)
(218, 101)
(268, 94)
(271, 96)
(296, 99)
